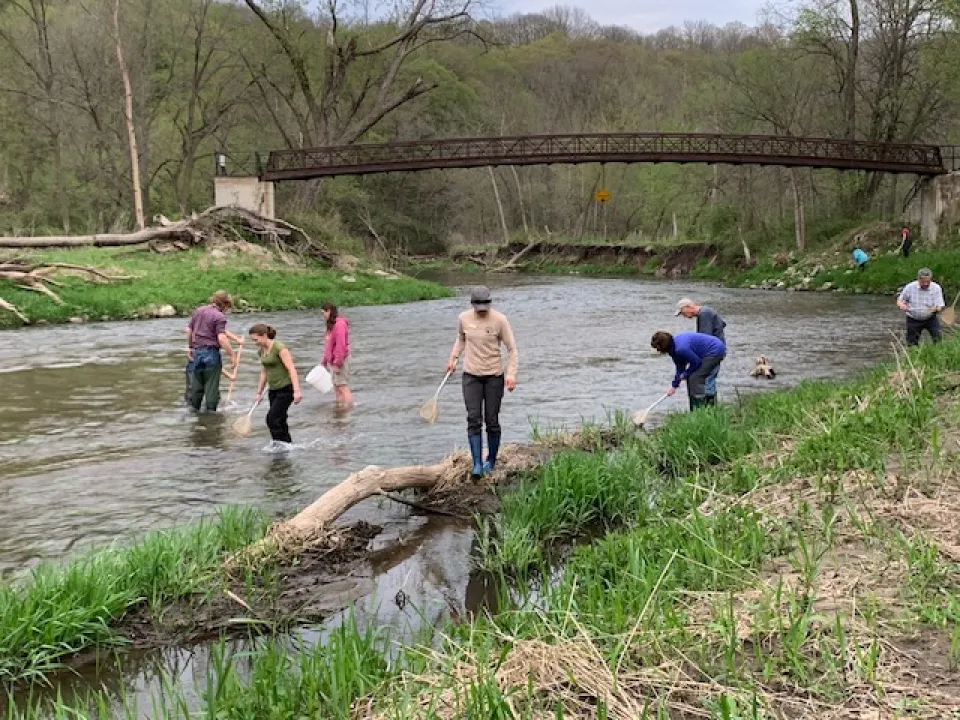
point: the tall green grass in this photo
(57, 611)
(273, 678)
(276, 681)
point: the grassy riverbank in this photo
(184, 280)
(792, 555)
(58, 611)
(826, 265)
(884, 274)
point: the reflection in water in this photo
(280, 478)
(96, 445)
(209, 431)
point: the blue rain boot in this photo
(476, 452)
(493, 445)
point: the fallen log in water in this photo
(313, 527)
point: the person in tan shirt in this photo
(480, 332)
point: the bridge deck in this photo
(360, 159)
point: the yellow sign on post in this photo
(601, 196)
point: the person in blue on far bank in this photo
(695, 356)
(860, 258)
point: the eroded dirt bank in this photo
(666, 262)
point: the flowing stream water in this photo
(96, 445)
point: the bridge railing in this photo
(615, 147)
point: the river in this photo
(96, 445)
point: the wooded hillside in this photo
(94, 93)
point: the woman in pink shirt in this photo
(336, 353)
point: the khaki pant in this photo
(341, 375)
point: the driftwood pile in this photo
(28, 275)
(213, 224)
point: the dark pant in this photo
(280, 401)
(697, 380)
(189, 373)
(205, 378)
(482, 395)
(916, 327)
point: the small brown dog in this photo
(763, 369)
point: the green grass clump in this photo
(573, 493)
(56, 611)
(187, 279)
(277, 681)
(612, 580)
(689, 443)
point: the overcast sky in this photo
(648, 16)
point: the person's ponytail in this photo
(263, 329)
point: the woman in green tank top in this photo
(279, 373)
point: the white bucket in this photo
(320, 379)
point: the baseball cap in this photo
(683, 302)
(480, 297)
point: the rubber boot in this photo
(476, 452)
(493, 445)
(710, 400)
(697, 403)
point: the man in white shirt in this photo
(922, 300)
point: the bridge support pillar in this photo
(247, 193)
(935, 205)
(930, 210)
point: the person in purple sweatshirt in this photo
(336, 354)
(696, 355)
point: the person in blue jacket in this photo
(860, 258)
(696, 355)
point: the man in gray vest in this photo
(709, 322)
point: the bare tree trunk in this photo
(853, 55)
(799, 223)
(63, 200)
(892, 208)
(523, 214)
(128, 117)
(496, 195)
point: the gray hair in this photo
(924, 273)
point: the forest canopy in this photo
(250, 77)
